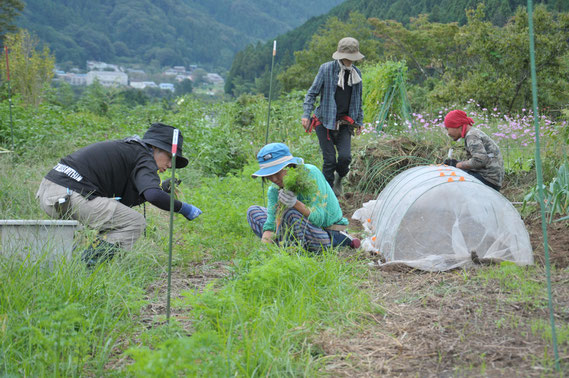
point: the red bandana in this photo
(457, 118)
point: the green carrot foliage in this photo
(298, 181)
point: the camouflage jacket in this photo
(484, 156)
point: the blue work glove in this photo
(190, 211)
(287, 198)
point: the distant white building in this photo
(176, 70)
(214, 78)
(167, 86)
(143, 84)
(76, 79)
(183, 77)
(71, 78)
(93, 65)
(137, 84)
(107, 78)
(150, 84)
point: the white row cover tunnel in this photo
(438, 218)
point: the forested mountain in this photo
(255, 60)
(161, 32)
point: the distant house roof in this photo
(142, 84)
(167, 86)
(183, 77)
(176, 70)
(93, 65)
(137, 84)
(75, 79)
(214, 78)
(107, 78)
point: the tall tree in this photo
(9, 9)
(31, 70)
(496, 65)
(322, 46)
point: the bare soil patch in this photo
(194, 277)
(557, 241)
(439, 324)
(451, 324)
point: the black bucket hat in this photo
(160, 135)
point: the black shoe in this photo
(98, 252)
(343, 239)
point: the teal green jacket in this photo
(323, 205)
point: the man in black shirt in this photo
(99, 184)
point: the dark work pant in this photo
(330, 142)
(479, 177)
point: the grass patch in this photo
(262, 322)
(66, 321)
(521, 284)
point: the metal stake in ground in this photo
(270, 91)
(9, 99)
(172, 193)
(540, 185)
(269, 110)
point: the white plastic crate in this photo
(48, 240)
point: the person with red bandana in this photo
(483, 157)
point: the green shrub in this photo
(556, 194)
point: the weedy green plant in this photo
(556, 195)
(298, 181)
(223, 233)
(66, 321)
(543, 328)
(522, 283)
(263, 321)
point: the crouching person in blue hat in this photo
(315, 221)
(99, 184)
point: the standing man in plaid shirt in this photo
(340, 112)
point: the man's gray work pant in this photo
(116, 223)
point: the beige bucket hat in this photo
(348, 48)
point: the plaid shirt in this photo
(325, 85)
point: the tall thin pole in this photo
(172, 194)
(270, 90)
(269, 110)
(540, 181)
(9, 99)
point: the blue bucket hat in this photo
(274, 157)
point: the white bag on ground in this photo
(437, 218)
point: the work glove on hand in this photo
(166, 185)
(287, 198)
(451, 162)
(190, 211)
